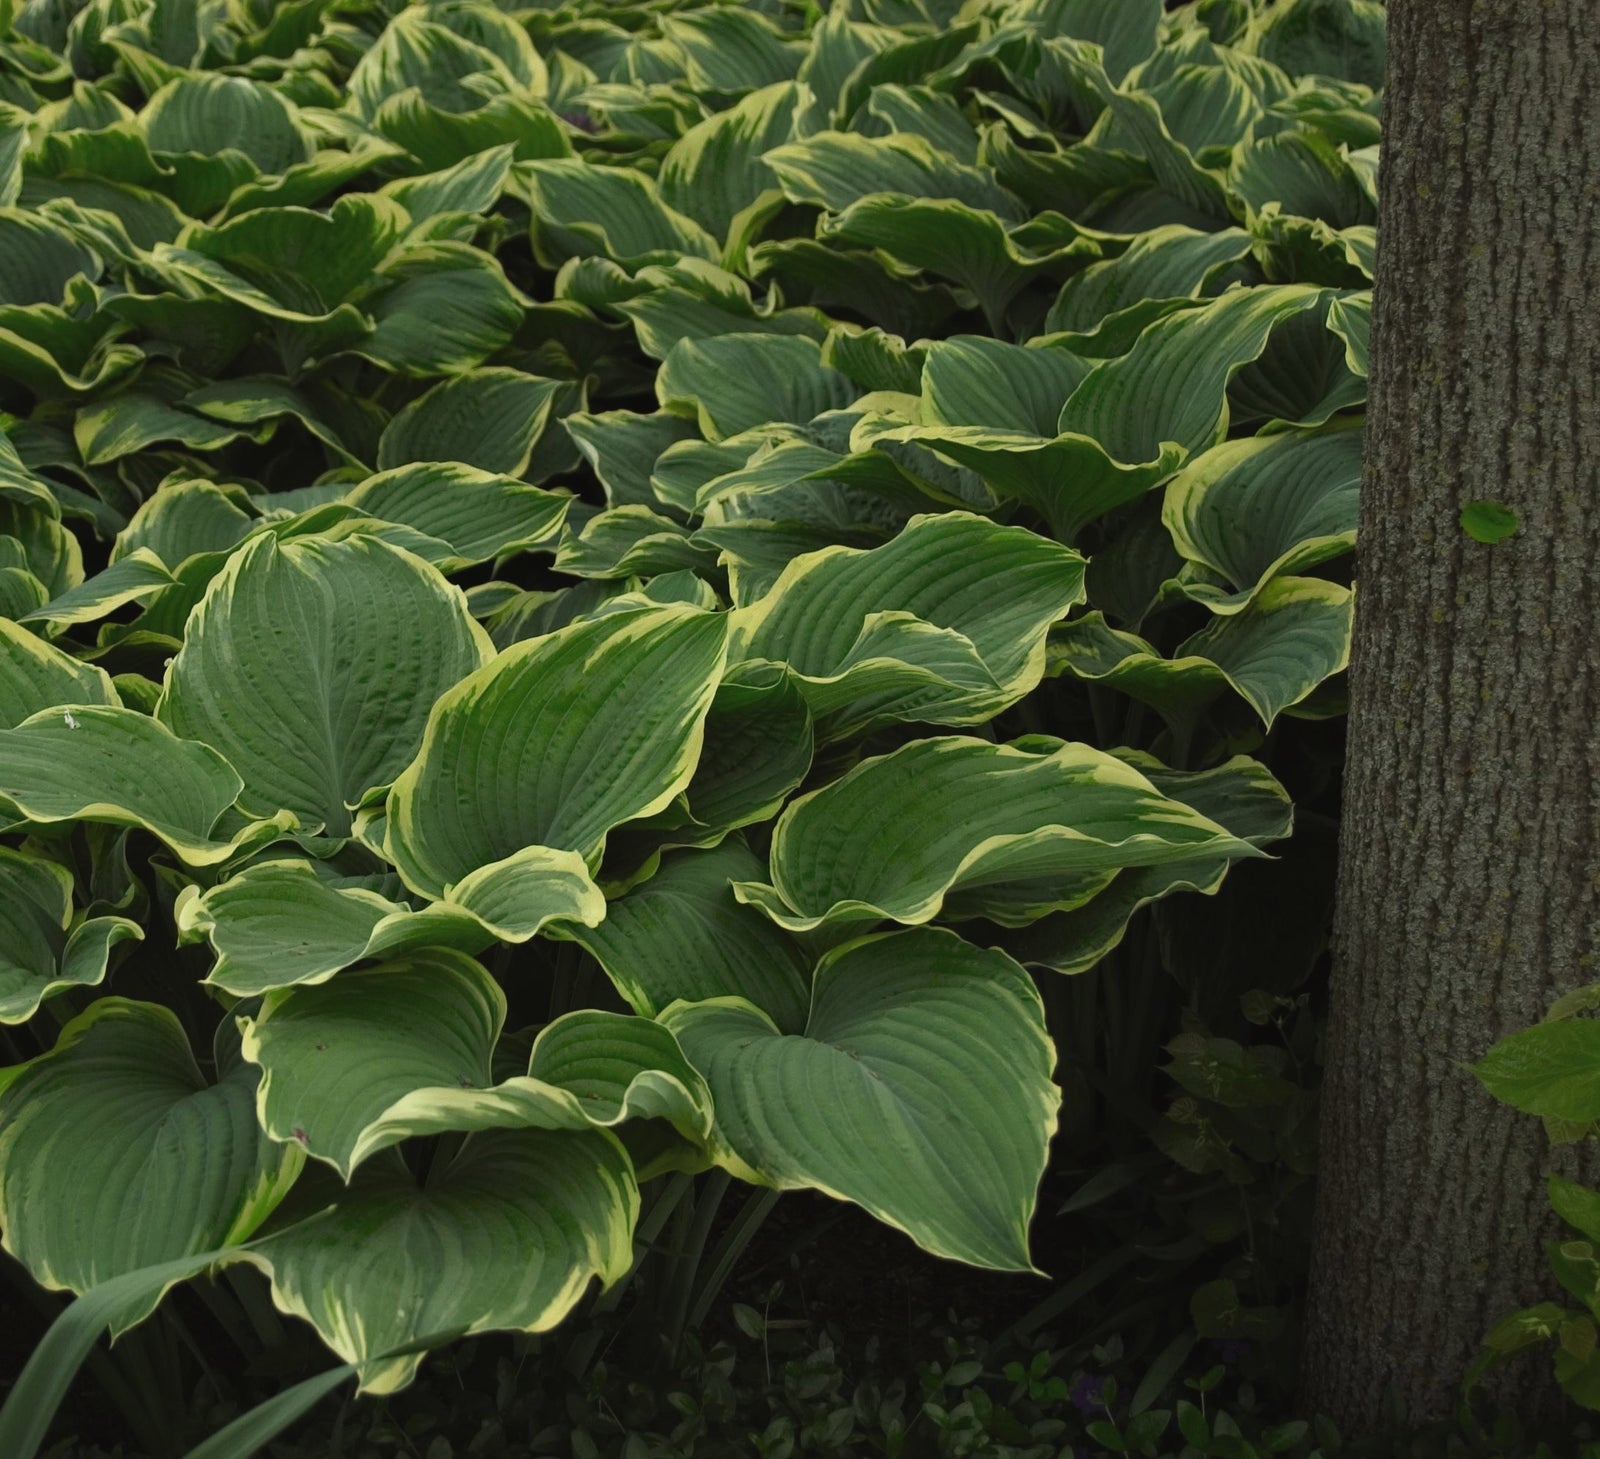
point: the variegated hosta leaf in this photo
(1070, 480)
(1256, 509)
(379, 1054)
(116, 1154)
(36, 676)
(759, 744)
(556, 741)
(898, 834)
(683, 934)
(945, 623)
(473, 515)
(580, 211)
(119, 767)
(1172, 385)
(489, 419)
(735, 381)
(1293, 634)
(1239, 795)
(1159, 266)
(280, 923)
(506, 1233)
(42, 952)
(312, 666)
(920, 1090)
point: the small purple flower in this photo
(581, 120)
(1088, 1393)
(1231, 1351)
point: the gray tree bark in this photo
(1469, 876)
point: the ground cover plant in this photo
(593, 593)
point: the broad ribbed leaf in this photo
(1255, 509)
(183, 519)
(1240, 795)
(489, 419)
(835, 169)
(1291, 635)
(448, 308)
(736, 381)
(896, 835)
(36, 676)
(588, 1069)
(336, 1055)
(970, 380)
(556, 741)
(683, 935)
(580, 211)
(312, 666)
(1069, 480)
(946, 623)
(1171, 386)
(41, 951)
(508, 1233)
(209, 114)
(920, 1090)
(473, 514)
(115, 1154)
(1166, 263)
(718, 168)
(121, 768)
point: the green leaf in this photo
(208, 114)
(1171, 262)
(490, 419)
(1070, 480)
(448, 308)
(1488, 521)
(334, 1056)
(970, 380)
(1255, 509)
(39, 257)
(1551, 1069)
(472, 515)
(1343, 38)
(920, 1090)
(718, 168)
(439, 138)
(36, 676)
(832, 170)
(555, 741)
(115, 1154)
(416, 52)
(312, 665)
(969, 245)
(184, 519)
(580, 211)
(42, 952)
(1126, 33)
(588, 1070)
(736, 381)
(946, 623)
(1239, 795)
(507, 1233)
(899, 833)
(1577, 1205)
(731, 50)
(119, 767)
(1293, 634)
(1172, 385)
(683, 935)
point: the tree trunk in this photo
(1469, 874)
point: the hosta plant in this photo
(595, 591)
